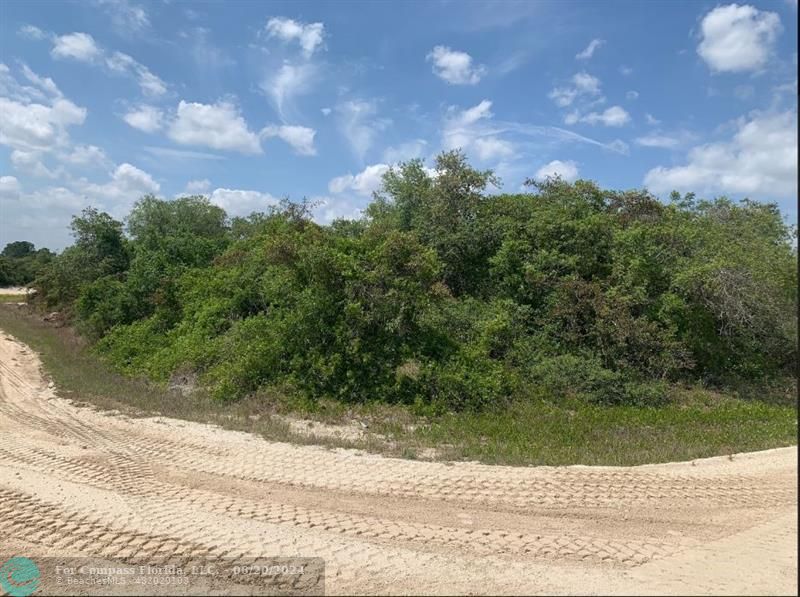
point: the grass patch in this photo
(695, 424)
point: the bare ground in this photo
(74, 482)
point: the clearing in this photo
(74, 481)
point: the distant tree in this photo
(17, 249)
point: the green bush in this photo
(445, 296)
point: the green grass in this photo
(11, 298)
(696, 423)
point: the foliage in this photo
(20, 263)
(445, 296)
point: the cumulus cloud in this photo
(29, 125)
(589, 51)
(127, 184)
(9, 188)
(455, 67)
(145, 118)
(613, 116)
(329, 209)
(737, 38)
(364, 183)
(473, 131)
(301, 138)
(760, 160)
(309, 35)
(632, 95)
(85, 155)
(238, 202)
(76, 46)
(219, 126)
(32, 163)
(567, 170)
(582, 84)
(492, 147)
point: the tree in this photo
(17, 249)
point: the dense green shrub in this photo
(444, 296)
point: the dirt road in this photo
(77, 482)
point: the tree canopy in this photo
(446, 293)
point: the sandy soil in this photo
(77, 482)
(14, 290)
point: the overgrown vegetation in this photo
(21, 263)
(694, 424)
(445, 297)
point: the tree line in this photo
(445, 295)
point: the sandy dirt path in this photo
(77, 482)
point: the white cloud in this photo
(325, 111)
(82, 47)
(737, 38)
(33, 126)
(86, 156)
(651, 119)
(760, 160)
(169, 153)
(127, 18)
(149, 83)
(471, 130)
(309, 35)
(567, 170)
(31, 32)
(364, 183)
(360, 124)
(632, 95)
(332, 208)
(301, 138)
(613, 116)
(145, 118)
(586, 83)
(31, 163)
(291, 80)
(455, 67)
(219, 126)
(46, 84)
(77, 46)
(128, 183)
(197, 187)
(238, 202)
(582, 84)
(492, 147)
(206, 55)
(662, 140)
(625, 71)
(405, 151)
(589, 51)
(655, 140)
(9, 188)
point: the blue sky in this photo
(247, 102)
